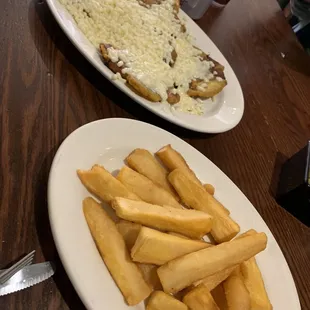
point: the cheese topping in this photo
(143, 38)
(117, 77)
(189, 105)
(202, 87)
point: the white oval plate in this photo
(221, 115)
(107, 142)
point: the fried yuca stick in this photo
(144, 162)
(174, 160)
(200, 298)
(249, 232)
(214, 280)
(146, 189)
(178, 176)
(209, 188)
(113, 251)
(196, 197)
(129, 231)
(254, 282)
(101, 183)
(188, 269)
(192, 223)
(162, 301)
(237, 295)
(155, 247)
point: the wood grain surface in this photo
(47, 90)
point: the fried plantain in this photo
(203, 89)
(142, 90)
(133, 83)
(197, 87)
(213, 88)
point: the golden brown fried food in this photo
(162, 301)
(172, 159)
(249, 232)
(104, 53)
(192, 223)
(217, 66)
(182, 271)
(107, 61)
(212, 88)
(195, 196)
(253, 280)
(237, 295)
(142, 90)
(144, 162)
(200, 298)
(146, 189)
(255, 284)
(155, 247)
(210, 189)
(214, 280)
(197, 87)
(129, 232)
(113, 251)
(203, 89)
(134, 84)
(102, 183)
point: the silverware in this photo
(26, 277)
(8, 273)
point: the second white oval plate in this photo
(107, 142)
(223, 114)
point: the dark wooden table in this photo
(47, 90)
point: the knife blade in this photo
(26, 277)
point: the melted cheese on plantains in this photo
(144, 38)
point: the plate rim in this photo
(57, 237)
(140, 100)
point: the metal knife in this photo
(26, 277)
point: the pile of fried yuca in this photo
(157, 243)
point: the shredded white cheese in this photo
(117, 77)
(202, 87)
(189, 105)
(143, 39)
